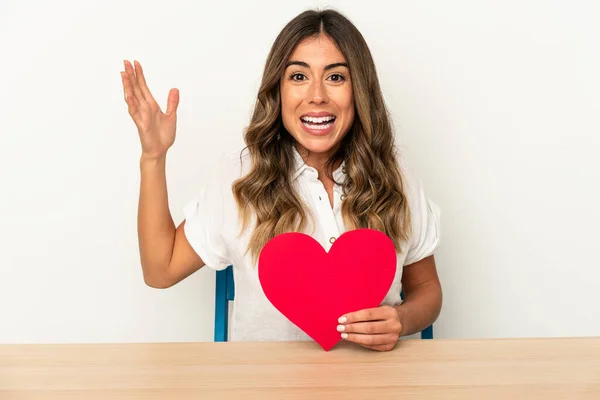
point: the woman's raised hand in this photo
(155, 128)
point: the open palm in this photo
(155, 128)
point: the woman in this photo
(320, 159)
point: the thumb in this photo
(172, 102)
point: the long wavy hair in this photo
(373, 185)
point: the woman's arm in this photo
(380, 328)
(165, 253)
(422, 296)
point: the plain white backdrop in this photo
(496, 103)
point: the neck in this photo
(317, 161)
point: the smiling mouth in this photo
(318, 123)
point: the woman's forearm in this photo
(420, 308)
(156, 229)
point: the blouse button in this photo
(342, 197)
(331, 240)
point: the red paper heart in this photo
(313, 288)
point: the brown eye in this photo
(337, 78)
(297, 77)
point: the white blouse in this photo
(212, 229)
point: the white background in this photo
(497, 104)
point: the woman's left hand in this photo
(374, 328)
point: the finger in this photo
(128, 93)
(134, 82)
(370, 340)
(382, 347)
(368, 328)
(172, 102)
(368, 314)
(141, 80)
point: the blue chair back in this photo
(225, 292)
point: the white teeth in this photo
(317, 127)
(318, 120)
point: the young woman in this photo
(320, 159)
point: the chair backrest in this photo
(225, 292)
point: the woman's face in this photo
(317, 105)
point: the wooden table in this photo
(429, 369)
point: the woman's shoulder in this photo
(424, 212)
(227, 167)
(230, 166)
(411, 183)
(211, 190)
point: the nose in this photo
(317, 93)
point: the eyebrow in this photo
(327, 67)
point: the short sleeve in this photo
(204, 226)
(425, 220)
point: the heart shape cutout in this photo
(313, 288)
